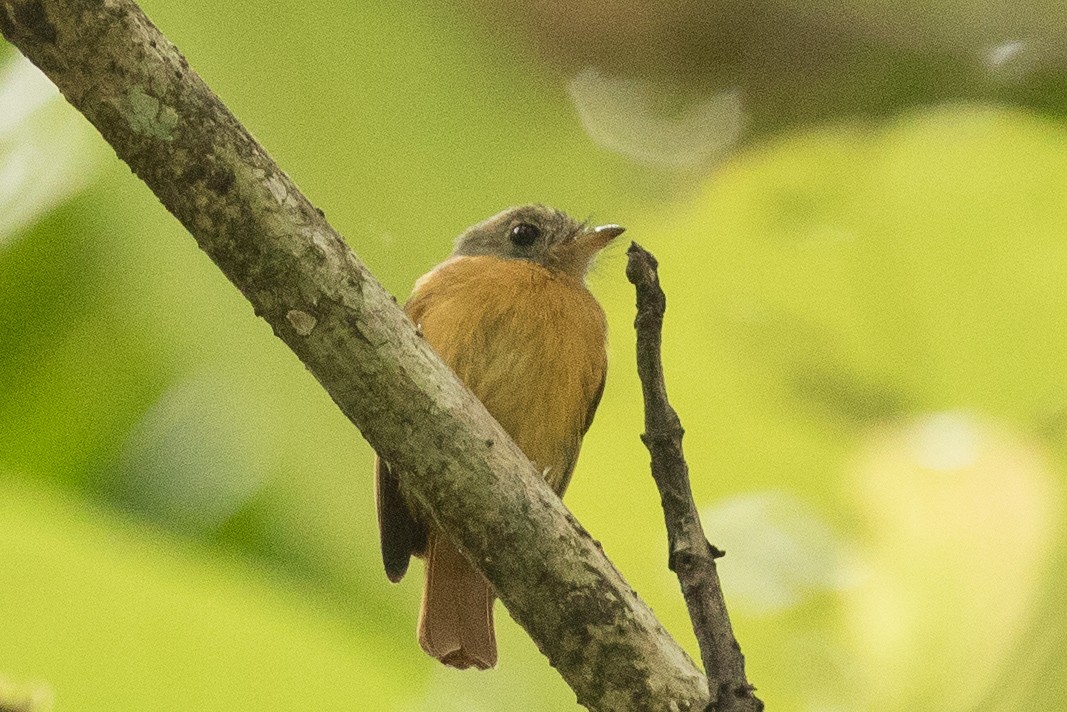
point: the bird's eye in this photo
(524, 234)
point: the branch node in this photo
(667, 434)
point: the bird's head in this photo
(539, 234)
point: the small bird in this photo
(509, 312)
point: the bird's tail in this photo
(456, 620)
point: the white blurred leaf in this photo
(194, 458)
(624, 115)
(47, 149)
(780, 550)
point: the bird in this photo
(509, 311)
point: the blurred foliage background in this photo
(859, 210)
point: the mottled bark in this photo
(299, 275)
(690, 555)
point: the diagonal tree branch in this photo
(691, 557)
(299, 275)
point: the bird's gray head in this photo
(539, 234)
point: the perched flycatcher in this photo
(509, 312)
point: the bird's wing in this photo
(402, 535)
(589, 414)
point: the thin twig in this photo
(691, 557)
(457, 463)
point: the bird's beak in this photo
(594, 240)
(608, 232)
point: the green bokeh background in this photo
(865, 342)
